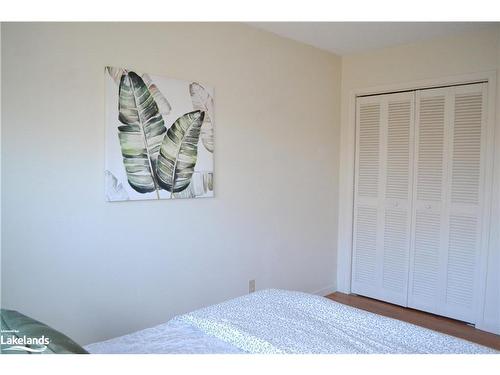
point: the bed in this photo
(285, 322)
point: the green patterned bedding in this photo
(23, 335)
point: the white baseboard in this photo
(325, 291)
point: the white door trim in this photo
(346, 175)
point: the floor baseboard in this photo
(323, 292)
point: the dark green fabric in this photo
(15, 324)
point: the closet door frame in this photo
(489, 240)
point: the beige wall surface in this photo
(96, 270)
(436, 59)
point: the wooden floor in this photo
(437, 323)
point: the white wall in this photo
(462, 54)
(95, 270)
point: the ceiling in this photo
(344, 38)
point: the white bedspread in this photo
(278, 321)
(173, 337)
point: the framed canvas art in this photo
(159, 137)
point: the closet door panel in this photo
(368, 155)
(366, 212)
(465, 201)
(399, 128)
(461, 267)
(395, 261)
(397, 196)
(365, 256)
(466, 160)
(430, 146)
(381, 214)
(426, 262)
(444, 252)
(424, 285)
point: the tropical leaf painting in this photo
(159, 137)
(203, 101)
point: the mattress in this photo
(285, 322)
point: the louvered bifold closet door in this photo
(382, 211)
(444, 252)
